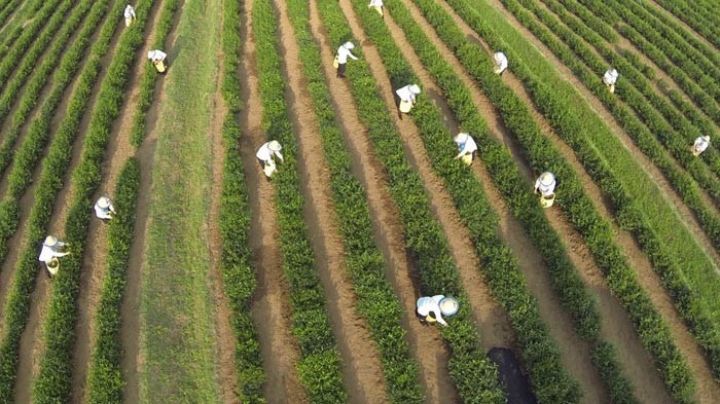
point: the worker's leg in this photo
(127, 22)
(341, 70)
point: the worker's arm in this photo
(353, 57)
(280, 156)
(438, 317)
(60, 254)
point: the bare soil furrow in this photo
(426, 344)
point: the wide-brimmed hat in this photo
(706, 137)
(50, 241)
(462, 137)
(547, 178)
(415, 89)
(103, 202)
(449, 306)
(349, 45)
(274, 145)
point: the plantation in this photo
(275, 219)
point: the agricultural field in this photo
(214, 282)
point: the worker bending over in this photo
(378, 6)
(104, 208)
(700, 145)
(545, 186)
(129, 15)
(343, 53)
(407, 96)
(52, 249)
(501, 63)
(610, 78)
(432, 309)
(466, 147)
(266, 155)
(158, 58)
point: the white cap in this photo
(103, 202)
(274, 145)
(547, 178)
(449, 306)
(415, 89)
(706, 137)
(462, 137)
(349, 45)
(50, 241)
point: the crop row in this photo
(376, 299)
(149, 79)
(319, 365)
(54, 380)
(583, 131)
(514, 188)
(14, 29)
(7, 9)
(238, 276)
(698, 293)
(50, 183)
(691, 13)
(474, 376)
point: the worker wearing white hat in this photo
(343, 53)
(407, 96)
(104, 208)
(158, 58)
(545, 186)
(501, 62)
(129, 15)
(52, 249)
(266, 154)
(466, 147)
(432, 309)
(610, 78)
(700, 145)
(378, 6)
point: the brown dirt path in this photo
(362, 367)
(647, 277)
(426, 344)
(271, 311)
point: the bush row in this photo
(14, 28)
(576, 124)
(50, 182)
(319, 365)
(149, 79)
(693, 14)
(376, 299)
(9, 7)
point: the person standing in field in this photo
(610, 78)
(501, 62)
(157, 57)
(343, 53)
(129, 15)
(52, 249)
(378, 6)
(432, 309)
(466, 146)
(545, 186)
(266, 155)
(407, 96)
(701, 144)
(104, 209)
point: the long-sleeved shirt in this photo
(701, 143)
(129, 11)
(48, 253)
(427, 305)
(466, 147)
(375, 3)
(500, 61)
(545, 190)
(343, 53)
(157, 55)
(264, 153)
(610, 77)
(104, 213)
(406, 94)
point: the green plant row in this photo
(8, 41)
(693, 15)
(474, 375)
(319, 363)
(8, 9)
(105, 379)
(50, 182)
(14, 29)
(54, 381)
(581, 128)
(238, 276)
(150, 75)
(376, 299)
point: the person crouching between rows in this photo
(129, 15)
(545, 186)
(343, 53)
(158, 59)
(52, 249)
(466, 147)
(104, 209)
(407, 96)
(266, 155)
(501, 63)
(701, 144)
(610, 78)
(378, 6)
(432, 309)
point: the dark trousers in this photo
(341, 69)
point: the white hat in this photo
(274, 145)
(103, 202)
(547, 178)
(706, 137)
(462, 137)
(349, 45)
(449, 306)
(415, 89)
(50, 241)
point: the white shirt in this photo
(48, 253)
(611, 77)
(501, 61)
(157, 55)
(426, 305)
(406, 94)
(129, 12)
(701, 143)
(468, 147)
(343, 53)
(375, 3)
(264, 153)
(545, 190)
(104, 213)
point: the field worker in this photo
(501, 63)
(701, 144)
(466, 147)
(52, 249)
(266, 154)
(129, 15)
(432, 309)
(378, 6)
(104, 208)
(545, 186)
(341, 58)
(610, 78)
(406, 98)
(158, 58)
